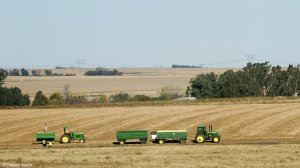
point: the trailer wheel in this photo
(143, 141)
(200, 139)
(121, 142)
(161, 141)
(216, 139)
(65, 138)
(81, 141)
(182, 141)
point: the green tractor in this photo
(67, 137)
(203, 135)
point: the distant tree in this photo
(14, 72)
(141, 98)
(48, 72)
(103, 72)
(34, 72)
(293, 81)
(259, 73)
(40, 99)
(204, 86)
(169, 93)
(119, 97)
(24, 72)
(3, 75)
(67, 93)
(13, 97)
(56, 98)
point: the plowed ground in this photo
(237, 123)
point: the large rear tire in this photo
(65, 138)
(200, 139)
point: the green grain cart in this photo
(45, 138)
(203, 135)
(162, 136)
(67, 137)
(141, 135)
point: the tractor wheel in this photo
(50, 144)
(65, 138)
(121, 142)
(216, 139)
(82, 141)
(182, 141)
(143, 141)
(161, 141)
(200, 139)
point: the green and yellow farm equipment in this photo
(123, 135)
(162, 136)
(46, 138)
(67, 137)
(203, 135)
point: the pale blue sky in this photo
(136, 33)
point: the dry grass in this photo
(147, 81)
(188, 156)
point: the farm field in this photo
(253, 135)
(148, 81)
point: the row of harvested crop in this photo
(162, 136)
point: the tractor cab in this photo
(67, 137)
(203, 135)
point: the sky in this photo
(156, 33)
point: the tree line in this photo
(255, 79)
(39, 72)
(11, 96)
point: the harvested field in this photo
(252, 135)
(148, 81)
(274, 156)
(238, 123)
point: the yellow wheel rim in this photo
(216, 139)
(200, 139)
(161, 141)
(121, 142)
(65, 139)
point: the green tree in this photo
(40, 99)
(34, 72)
(14, 72)
(56, 98)
(204, 86)
(48, 72)
(13, 97)
(293, 82)
(119, 97)
(24, 72)
(259, 73)
(3, 75)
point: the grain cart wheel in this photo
(200, 139)
(161, 141)
(50, 144)
(143, 141)
(82, 141)
(216, 139)
(121, 142)
(65, 138)
(182, 141)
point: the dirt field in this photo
(148, 81)
(253, 135)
